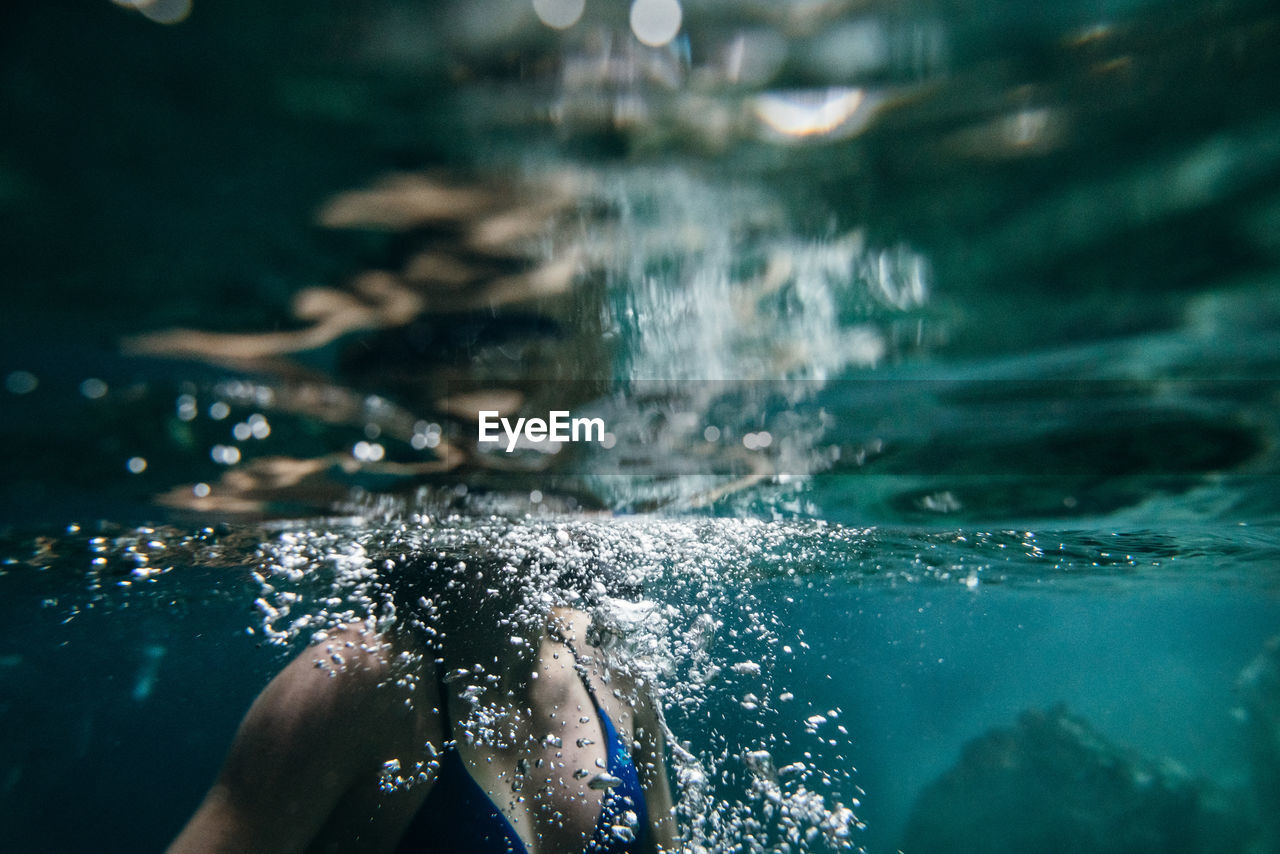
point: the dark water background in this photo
(1066, 450)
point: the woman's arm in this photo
(298, 750)
(652, 767)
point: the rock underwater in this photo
(1051, 784)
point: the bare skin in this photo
(302, 774)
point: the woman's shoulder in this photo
(326, 722)
(342, 659)
(613, 683)
(352, 673)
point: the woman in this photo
(483, 720)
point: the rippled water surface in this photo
(935, 344)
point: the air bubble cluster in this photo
(672, 602)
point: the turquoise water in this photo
(936, 343)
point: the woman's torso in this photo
(538, 776)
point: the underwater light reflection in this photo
(656, 22)
(828, 113)
(559, 14)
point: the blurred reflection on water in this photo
(526, 194)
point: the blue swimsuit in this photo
(458, 816)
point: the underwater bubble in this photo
(187, 407)
(21, 382)
(136, 465)
(368, 452)
(815, 721)
(93, 388)
(603, 781)
(759, 760)
(425, 435)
